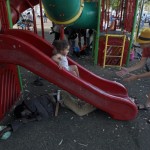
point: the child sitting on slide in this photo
(60, 56)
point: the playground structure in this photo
(115, 50)
(18, 47)
(122, 22)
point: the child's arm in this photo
(57, 58)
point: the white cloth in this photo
(114, 13)
(30, 17)
(64, 63)
(56, 28)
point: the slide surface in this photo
(26, 49)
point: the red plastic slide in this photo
(26, 49)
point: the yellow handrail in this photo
(108, 47)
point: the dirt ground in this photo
(95, 131)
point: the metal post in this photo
(142, 6)
(34, 21)
(3, 14)
(62, 32)
(34, 18)
(41, 12)
(11, 26)
(9, 14)
(97, 33)
(132, 33)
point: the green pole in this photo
(140, 18)
(20, 78)
(132, 33)
(97, 33)
(11, 26)
(9, 14)
(93, 43)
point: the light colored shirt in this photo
(30, 17)
(64, 62)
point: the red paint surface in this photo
(26, 49)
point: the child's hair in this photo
(60, 45)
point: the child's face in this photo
(65, 51)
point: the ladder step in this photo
(113, 56)
(114, 46)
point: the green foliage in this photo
(147, 5)
(115, 4)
